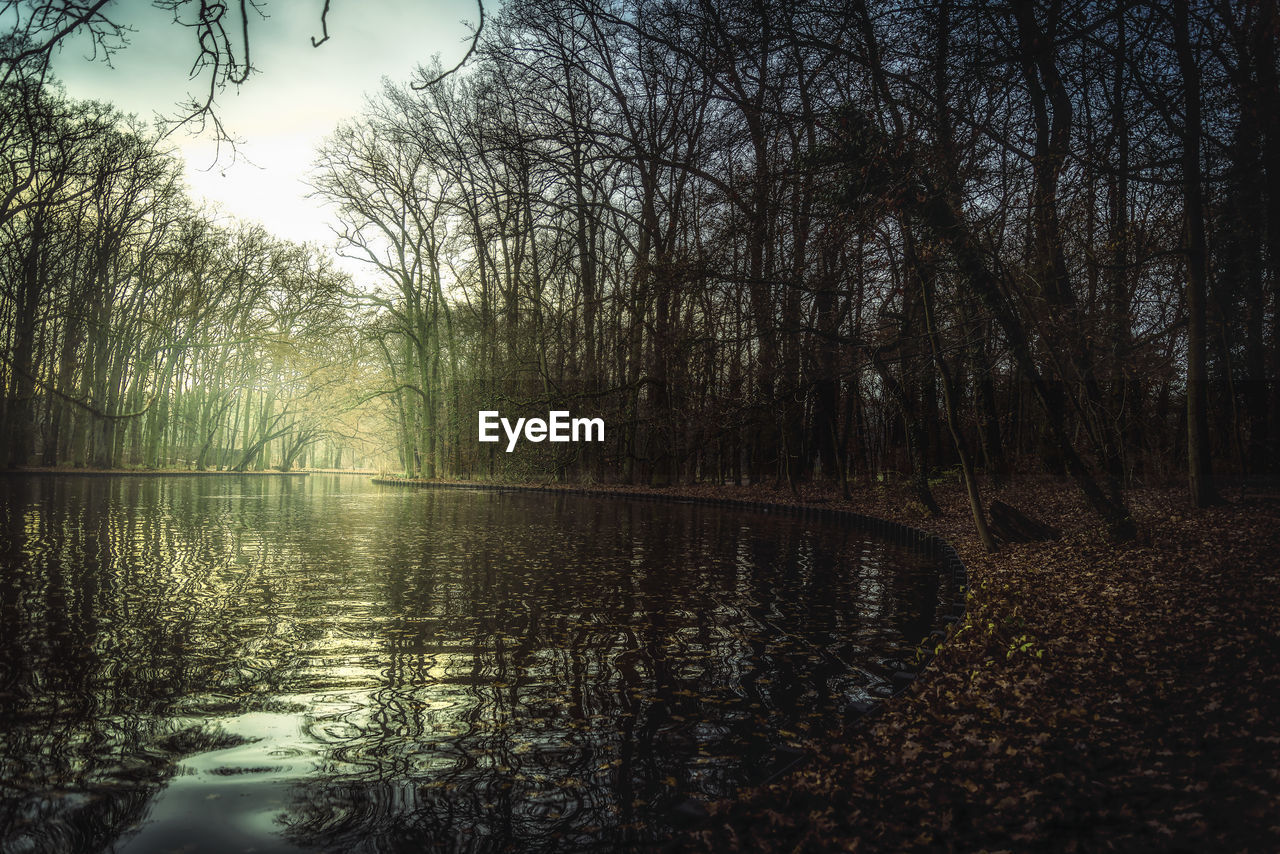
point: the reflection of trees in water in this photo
(51, 597)
(477, 670)
(663, 656)
(117, 623)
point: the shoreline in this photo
(1094, 696)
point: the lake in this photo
(322, 664)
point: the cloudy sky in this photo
(285, 110)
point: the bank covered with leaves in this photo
(1096, 697)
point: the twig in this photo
(475, 42)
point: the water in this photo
(320, 664)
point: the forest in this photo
(935, 348)
(766, 242)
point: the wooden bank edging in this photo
(950, 565)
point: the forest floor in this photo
(1097, 697)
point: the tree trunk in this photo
(1199, 466)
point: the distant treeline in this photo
(138, 330)
(778, 240)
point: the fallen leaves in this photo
(1096, 697)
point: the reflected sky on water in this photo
(320, 664)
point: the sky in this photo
(282, 113)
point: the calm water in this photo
(319, 664)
